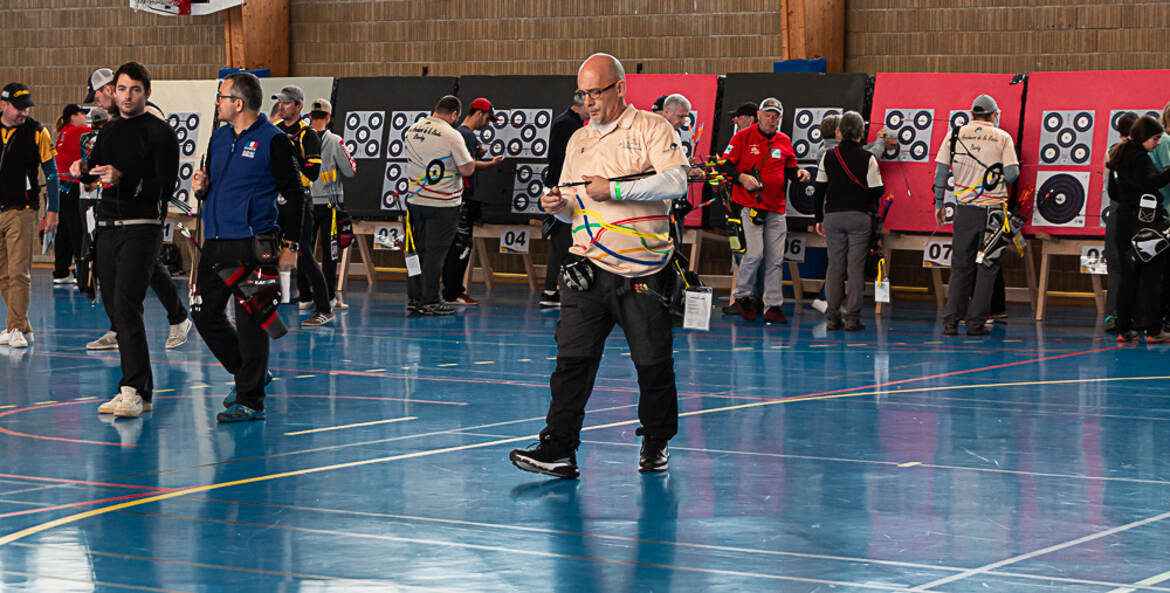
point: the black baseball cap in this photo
(18, 95)
(659, 103)
(70, 109)
(748, 108)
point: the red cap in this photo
(482, 105)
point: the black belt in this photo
(129, 222)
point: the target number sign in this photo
(1093, 260)
(937, 254)
(514, 240)
(388, 236)
(794, 249)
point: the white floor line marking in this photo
(33, 575)
(344, 426)
(1053, 548)
(1154, 580)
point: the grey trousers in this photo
(765, 248)
(971, 284)
(847, 237)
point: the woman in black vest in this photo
(848, 188)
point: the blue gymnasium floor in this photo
(890, 460)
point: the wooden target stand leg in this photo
(1053, 246)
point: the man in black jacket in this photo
(137, 157)
(558, 234)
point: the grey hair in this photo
(851, 126)
(578, 100)
(677, 100)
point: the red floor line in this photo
(83, 482)
(85, 503)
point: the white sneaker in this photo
(5, 336)
(820, 305)
(110, 406)
(130, 404)
(63, 281)
(28, 337)
(17, 339)
(337, 305)
(108, 341)
(178, 335)
(305, 305)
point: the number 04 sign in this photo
(514, 240)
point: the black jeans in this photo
(1139, 294)
(322, 229)
(433, 230)
(560, 239)
(124, 259)
(67, 245)
(311, 284)
(460, 252)
(242, 349)
(587, 319)
(168, 294)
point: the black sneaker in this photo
(550, 299)
(978, 329)
(547, 457)
(730, 309)
(834, 324)
(854, 325)
(436, 309)
(318, 319)
(655, 456)
(950, 328)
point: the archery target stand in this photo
(483, 232)
(894, 241)
(1053, 246)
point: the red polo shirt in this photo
(748, 150)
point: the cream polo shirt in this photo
(627, 238)
(990, 145)
(435, 151)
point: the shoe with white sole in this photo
(110, 406)
(178, 335)
(108, 341)
(16, 339)
(820, 305)
(130, 404)
(305, 305)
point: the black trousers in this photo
(587, 319)
(322, 229)
(1139, 293)
(67, 245)
(433, 230)
(971, 284)
(460, 252)
(560, 239)
(241, 349)
(168, 294)
(124, 259)
(309, 271)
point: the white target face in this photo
(1061, 197)
(400, 122)
(362, 133)
(520, 133)
(395, 185)
(1114, 136)
(806, 131)
(1066, 137)
(186, 127)
(527, 187)
(912, 128)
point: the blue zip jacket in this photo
(246, 173)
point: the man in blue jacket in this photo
(248, 163)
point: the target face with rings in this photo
(189, 148)
(186, 126)
(523, 173)
(912, 127)
(806, 131)
(527, 187)
(959, 118)
(400, 122)
(521, 203)
(363, 133)
(1066, 137)
(394, 185)
(1060, 198)
(517, 133)
(1113, 137)
(800, 196)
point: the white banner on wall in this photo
(183, 7)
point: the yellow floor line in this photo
(305, 376)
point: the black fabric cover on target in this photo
(496, 184)
(847, 91)
(363, 192)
